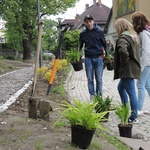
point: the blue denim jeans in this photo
(94, 66)
(143, 84)
(126, 87)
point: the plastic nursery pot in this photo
(77, 66)
(125, 131)
(106, 116)
(81, 137)
(110, 66)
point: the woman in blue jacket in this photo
(93, 39)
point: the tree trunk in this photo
(26, 49)
(26, 42)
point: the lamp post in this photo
(38, 16)
(59, 30)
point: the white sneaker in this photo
(135, 121)
(140, 113)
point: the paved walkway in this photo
(77, 88)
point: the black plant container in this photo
(81, 137)
(125, 131)
(77, 66)
(106, 116)
(110, 66)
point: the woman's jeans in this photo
(126, 87)
(142, 84)
(94, 66)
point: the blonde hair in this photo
(122, 25)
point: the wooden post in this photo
(37, 57)
(45, 109)
(33, 103)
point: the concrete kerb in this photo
(135, 144)
(67, 83)
(13, 98)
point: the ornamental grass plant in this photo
(123, 112)
(82, 114)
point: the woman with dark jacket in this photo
(127, 64)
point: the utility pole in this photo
(59, 30)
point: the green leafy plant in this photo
(109, 56)
(82, 114)
(123, 112)
(74, 55)
(60, 90)
(102, 104)
(109, 60)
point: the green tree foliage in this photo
(49, 35)
(21, 19)
(71, 40)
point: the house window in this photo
(125, 7)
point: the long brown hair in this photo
(122, 25)
(140, 21)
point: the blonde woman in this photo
(127, 64)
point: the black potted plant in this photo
(74, 57)
(109, 60)
(125, 128)
(103, 105)
(83, 120)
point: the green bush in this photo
(48, 57)
(10, 57)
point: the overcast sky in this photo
(80, 8)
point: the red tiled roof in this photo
(99, 12)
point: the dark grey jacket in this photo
(127, 57)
